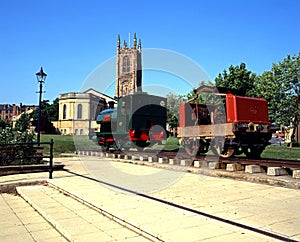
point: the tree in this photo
(203, 97)
(23, 123)
(49, 112)
(173, 103)
(281, 88)
(238, 78)
(4, 124)
(52, 110)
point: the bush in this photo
(295, 144)
(11, 151)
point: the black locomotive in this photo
(138, 121)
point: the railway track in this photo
(265, 162)
(189, 209)
(283, 173)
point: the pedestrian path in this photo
(158, 220)
(74, 220)
(71, 206)
(20, 222)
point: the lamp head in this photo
(41, 75)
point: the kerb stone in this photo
(142, 158)
(197, 163)
(276, 171)
(296, 174)
(234, 167)
(162, 160)
(253, 169)
(135, 157)
(215, 165)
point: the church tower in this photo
(128, 68)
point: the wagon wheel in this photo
(191, 147)
(218, 148)
(253, 152)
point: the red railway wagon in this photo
(227, 125)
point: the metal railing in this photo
(26, 154)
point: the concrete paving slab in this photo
(22, 222)
(24, 237)
(100, 236)
(70, 217)
(43, 235)
(292, 229)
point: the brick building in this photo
(9, 112)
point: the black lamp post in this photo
(41, 77)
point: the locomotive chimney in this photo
(111, 104)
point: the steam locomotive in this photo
(138, 121)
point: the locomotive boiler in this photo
(228, 124)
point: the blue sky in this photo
(70, 38)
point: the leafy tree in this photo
(4, 124)
(23, 123)
(281, 87)
(202, 98)
(173, 103)
(52, 110)
(237, 78)
(49, 112)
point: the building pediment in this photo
(99, 94)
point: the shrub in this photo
(11, 149)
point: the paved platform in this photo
(20, 222)
(271, 208)
(73, 219)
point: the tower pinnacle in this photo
(134, 41)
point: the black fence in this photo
(26, 154)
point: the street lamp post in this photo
(41, 77)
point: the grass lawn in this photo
(62, 144)
(69, 144)
(281, 152)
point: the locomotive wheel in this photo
(191, 147)
(253, 152)
(140, 145)
(106, 147)
(218, 148)
(121, 145)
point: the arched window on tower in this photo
(64, 111)
(126, 64)
(79, 111)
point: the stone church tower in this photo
(129, 68)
